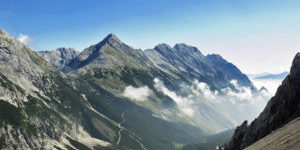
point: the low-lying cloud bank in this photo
(236, 104)
(137, 94)
(219, 110)
(184, 103)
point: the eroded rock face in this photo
(230, 71)
(59, 57)
(192, 64)
(281, 109)
(35, 100)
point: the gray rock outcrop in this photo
(59, 57)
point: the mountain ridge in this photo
(272, 76)
(109, 52)
(59, 57)
(89, 101)
(122, 65)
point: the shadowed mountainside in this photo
(281, 109)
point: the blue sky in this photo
(256, 35)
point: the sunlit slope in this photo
(286, 137)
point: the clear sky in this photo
(256, 35)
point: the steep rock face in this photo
(231, 71)
(59, 57)
(281, 109)
(186, 62)
(186, 59)
(190, 63)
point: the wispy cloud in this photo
(184, 103)
(25, 38)
(5, 14)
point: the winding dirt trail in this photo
(121, 129)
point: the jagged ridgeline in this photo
(110, 96)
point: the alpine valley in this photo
(112, 96)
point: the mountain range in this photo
(269, 76)
(112, 96)
(273, 76)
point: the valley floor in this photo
(285, 138)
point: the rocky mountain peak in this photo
(165, 50)
(109, 53)
(163, 47)
(111, 39)
(295, 69)
(181, 47)
(216, 57)
(111, 36)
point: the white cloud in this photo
(137, 94)
(183, 103)
(237, 104)
(240, 93)
(205, 90)
(24, 38)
